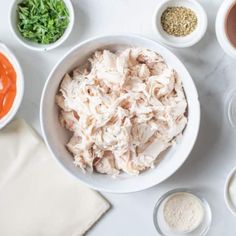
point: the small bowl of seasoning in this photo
(180, 23)
(182, 212)
(226, 27)
(11, 85)
(41, 25)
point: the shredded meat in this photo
(124, 109)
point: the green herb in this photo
(179, 21)
(42, 21)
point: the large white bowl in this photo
(56, 137)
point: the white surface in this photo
(214, 73)
(35, 46)
(189, 40)
(220, 28)
(56, 137)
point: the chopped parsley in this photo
(42, 21)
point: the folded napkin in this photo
(37, 198)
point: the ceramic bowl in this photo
(19, 85)
(56, 137)
(186, 41)
(221, 29)
(35, 46)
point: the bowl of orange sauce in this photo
(11, 85)
(226, 27)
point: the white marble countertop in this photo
(214, 74)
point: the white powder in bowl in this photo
(183, 212)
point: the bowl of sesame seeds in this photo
(180, 23)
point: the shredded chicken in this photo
(124, 109)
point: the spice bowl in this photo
(13, 19)
(182, 212)
(192, 8)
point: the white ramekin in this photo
(36, 46)
(163, 229)
(220, 28)
(19, 85)
(186, 41)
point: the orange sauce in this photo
(7, 85)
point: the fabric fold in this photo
(36, 196)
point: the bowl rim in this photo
(198, 7)
(226, 191)
(230, 99)
(18, 100)
(43, 47)
(43, 101)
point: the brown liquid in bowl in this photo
(231, 25)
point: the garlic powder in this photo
(183, 212)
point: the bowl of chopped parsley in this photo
(42, 25)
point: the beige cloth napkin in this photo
(37, 198)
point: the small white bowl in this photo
(228, 201)
(56, 137)
(36, 46)
(186, 41)
(19, 85)
(220, 28)
(164, 230)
